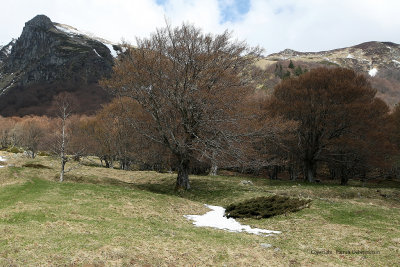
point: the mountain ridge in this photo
(379, 61)
(49, 58)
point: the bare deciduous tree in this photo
(32, 134)
(64, 107)
(191, 84)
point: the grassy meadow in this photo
(110, 217)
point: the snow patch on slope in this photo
(74, 31)
(68, 29)
(373, 72)
(350, 56)
(216, 219)
(111, 48)
(6, 49)
(94, 50)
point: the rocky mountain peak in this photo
(48, 56)
(40, 21)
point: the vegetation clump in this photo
(43, 154)
(15, 150)
(35, 166)
(265, 207)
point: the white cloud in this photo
(307, 25)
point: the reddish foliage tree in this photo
(332, 107)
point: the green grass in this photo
(104, 217)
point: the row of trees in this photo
(185, 100)
(199, 91)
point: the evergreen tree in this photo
(286, 75)
(298, 71)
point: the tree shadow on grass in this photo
(208, 191)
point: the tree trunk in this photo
(213, 169)
(62, 150)
(62, 169)
(343, 180)
(124, 164)
(182, 181)
(293, 172)
(273, 172)
(363, 178)
(343, 177)
(309, 171)
(112, 162)
(214, 166)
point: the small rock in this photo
(277, 249)
(11, 165)
(266, 245)
(246, 182)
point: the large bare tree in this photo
(191, 84)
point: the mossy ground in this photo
(105, 217)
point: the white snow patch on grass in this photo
(216, 219)
(349, 56)
(395, 61)
(372, 72)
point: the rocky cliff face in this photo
(380, 61)
(49, 58)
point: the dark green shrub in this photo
(265, 207)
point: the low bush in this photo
(35, 166)
(265, 207)
(43, 153)
(15, 150)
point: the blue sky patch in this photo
(233, 11)
(161, 2)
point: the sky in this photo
(302, 25)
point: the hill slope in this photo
(109, 217)
(380, 61)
